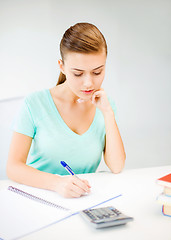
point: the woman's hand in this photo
(72, 187)
(100, 100)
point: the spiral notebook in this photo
(24, 210)
(22, 213)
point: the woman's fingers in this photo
(82, 184)
(72, 186)
(87, 183)
(77, 191)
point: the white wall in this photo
(138, 72)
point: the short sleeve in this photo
(23, 121)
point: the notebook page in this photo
(36, 215)
(102, 189)
(20, 215)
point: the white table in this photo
(139, 190)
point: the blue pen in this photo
(67, 168)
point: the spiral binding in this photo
(37, 199)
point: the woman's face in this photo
(84, 72)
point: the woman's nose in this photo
(88, 81)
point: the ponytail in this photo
(61, 78)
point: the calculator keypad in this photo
(102, 213)
(105, 217)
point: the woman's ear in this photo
(61, 65)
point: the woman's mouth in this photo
(87, 91)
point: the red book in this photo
(165, 180)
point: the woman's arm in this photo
(114, 153)
(18, 171)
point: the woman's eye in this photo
(77, 75)
(80, 74)
(97, 73)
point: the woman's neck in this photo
(64, 93)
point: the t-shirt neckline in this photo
(62, 122)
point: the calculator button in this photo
(116, 211)
(112, 214)
(97, 213)
(109, 211)
(91, 216)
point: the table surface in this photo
(139, 191)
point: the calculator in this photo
(105, 217)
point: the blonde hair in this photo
(81, 38)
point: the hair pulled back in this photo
(81, 38)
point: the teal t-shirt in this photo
(53, 141)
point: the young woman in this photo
(73, 121)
